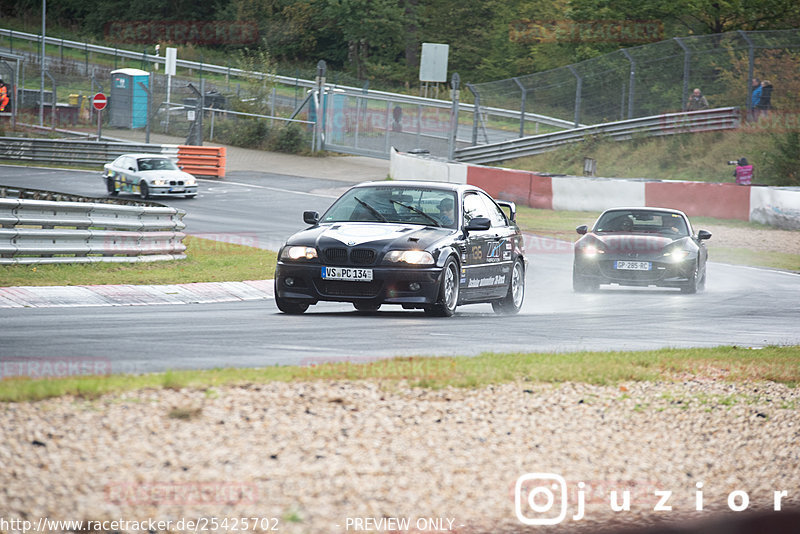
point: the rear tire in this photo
(512, 302)
(144, 191)
(448, 291)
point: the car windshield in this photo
(156, 164)
(394, 204)
(642, 222)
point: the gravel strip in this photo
(314, 454)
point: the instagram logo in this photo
(537, 490)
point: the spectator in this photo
(3, 95)
(743, 172)
(697, 101)
(755, 96)
(765, 102)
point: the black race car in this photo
(422, 245)
(640, 247)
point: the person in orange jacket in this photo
(3, 95)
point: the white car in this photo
(148, 175)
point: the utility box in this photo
(128, 101)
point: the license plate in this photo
(632, 265)
(347, 273)
(177, 190)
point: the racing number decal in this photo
(477, 252)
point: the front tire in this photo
(512, 302)
(289, 307)
(693, 284)
(111, 186)
(583, 284)
(144, 190)
(448, 291)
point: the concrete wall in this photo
(403, 166)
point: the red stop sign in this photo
(99, 101)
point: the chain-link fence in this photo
(650, 80)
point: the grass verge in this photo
(207, 261)
(734, 364)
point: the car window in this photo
(494, 213)
(473, 207)
(156, 164)
(396, 204)
(643, 222)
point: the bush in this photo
(782, 165)
(289, 139)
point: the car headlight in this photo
(411, 257)
(676, 255)
(299, 253)
(159, 182)
(590, 251)
(190, 180)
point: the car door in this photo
(502, 241)
(481, 277)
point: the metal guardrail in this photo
(85, 229)
(668, 124)
(74, 152)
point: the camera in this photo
(734, 162)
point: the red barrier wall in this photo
(522, 187)
(722, 201)
(541, 192)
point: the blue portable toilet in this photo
(128, 101)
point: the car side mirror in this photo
(703, 234)
(131, 169)
(511, 207)
(310, 217)
(582, 229)
(479, 224)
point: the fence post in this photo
(687, 54)
(476, 114)
(524, 92)
(631, 83)
(454, 83)
(578, 94)
(55, 99)
(751, 60)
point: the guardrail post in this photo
(454, 83)
(578, 91)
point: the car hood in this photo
(164, 173)
(635, 242)
(379, 236)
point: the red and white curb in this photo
(134, 295)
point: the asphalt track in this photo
(741, 305)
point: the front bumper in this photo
(172, 190)
(389, 285)
(662, 274)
